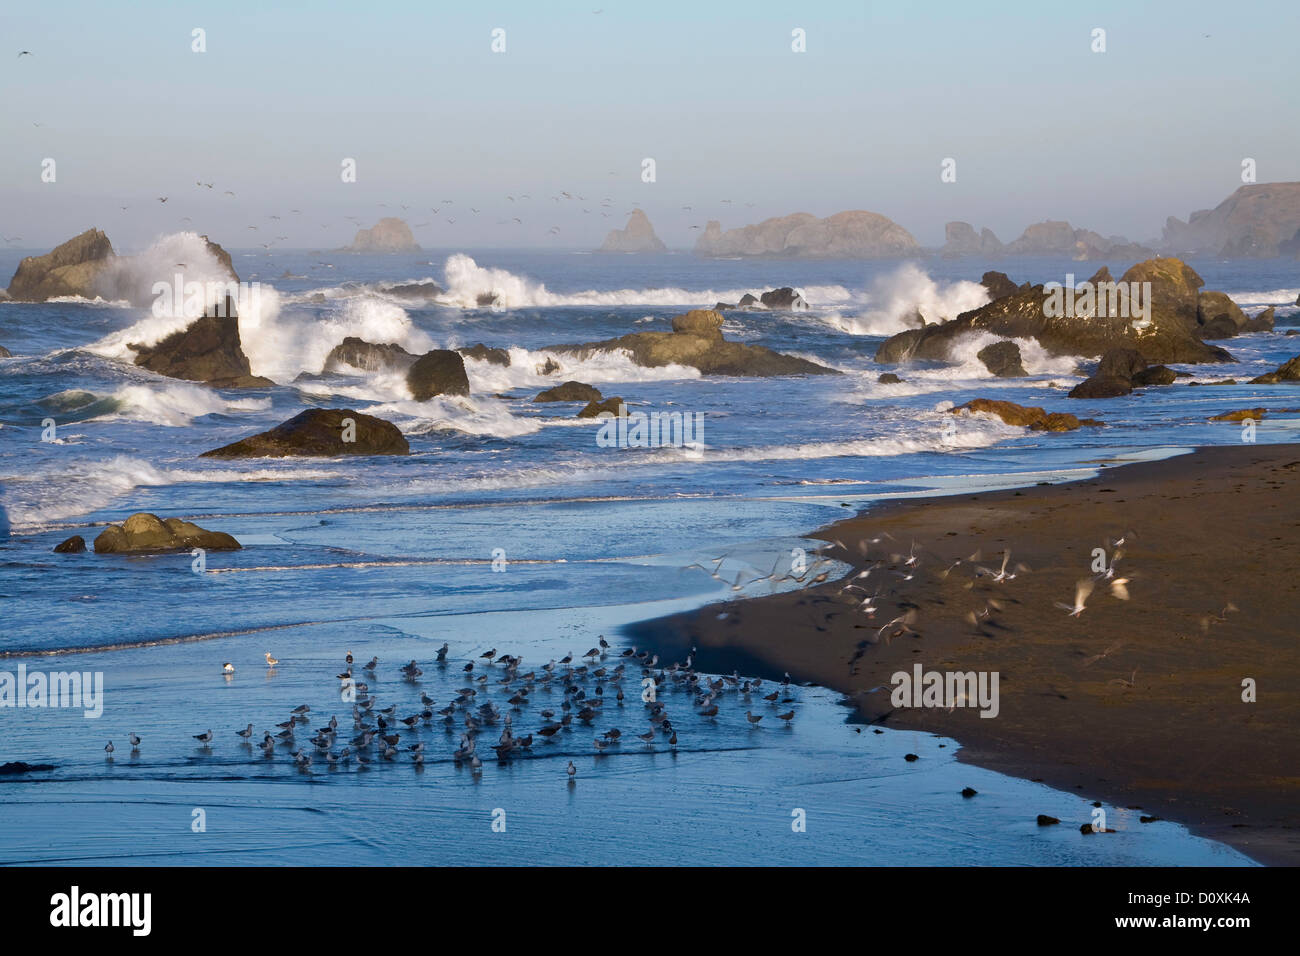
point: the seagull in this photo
(204, 738)
(752, 719)
(246, 733)
(1081, 592)
(135, 742)
(1001, 575)
(572, 769)
(26, 53)
(108, 749)
(227, 668)
(270, 661)
(162, 198)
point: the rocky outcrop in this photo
(1055, 237)
(638, 236)
(1002, 359)
(145, 533)
(74, 545)
(1288, 371)
(998, 285)
(847, 235)
(1253, 222)
(609, 406)
(888, 378)
(484, 353)
(1241, 414)
(570, 392)
(74, 268)
(697, 342)
(353, 354)
(440, 372)
(960, 239)
(784, 299)
(1119, 372)
(5, 353)
(1167, 336)
(414, 291)
(1031, 417)
(207, 350)
(1218, 316)
(320, 433)
(390, 235)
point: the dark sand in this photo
(1158, 722)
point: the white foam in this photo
(893, 300)
(177, 404)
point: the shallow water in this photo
(392, 557)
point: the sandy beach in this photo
(1138, 702)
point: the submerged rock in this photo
(608, 406)
(697, 342)
(570, 392)
(145, 533)
(320, 433)
(440, 372)
(889, 378)
(357, 353)
(1288, 371)
(74, 545)
(1254, 414)
(18, 766)
(1031, 417)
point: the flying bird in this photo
(1081, 592)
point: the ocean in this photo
(510, 527)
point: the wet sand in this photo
(1135, 702)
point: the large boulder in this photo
(1261, 322)
(1168, 336)
(999, 285)
(145, 533)
(440, 372)
(570, 392)
(595, 409)
(5, 353)
(389, 236)
(1114, 375)
(1031, 417)
(74, 268)
(1002, 359)
(784, 299)
(320, 433)
(207, 350)
(356, 353)
(74, 545)
(639, 236)
(485, 353)
(1218, 316)
(696, 342)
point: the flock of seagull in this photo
(567, 696)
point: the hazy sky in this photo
(1040, 126)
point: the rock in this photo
(1254, 414)
(486, 300)
(570, 392)
(145, 533)
(18, 766)
(1031, 417)
(357, 353)
(5, 353)
(889, 378)
(319, 433)
(415, 291)
(549, 367)
(440, 372)
(1102, 386)
(389, 235)
(1261, 322)
(1155, 375)
(747, 301)
(699, 322)
(74, 268)
(999, 285)
(594, 408)
(1002, 359)
(1288, 371)
(1253, 222)
(719, 306)
(483, 353)
(708, 351)
(968, 792)
(74, 545)
(1218, 316)
(1121, 363)
(960, 239)
(208, 350)
(785, 299)
(911, 758)
(637, 236)
(1045, 821)
(1170, 336)
(847, 235)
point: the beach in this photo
(1136, 701)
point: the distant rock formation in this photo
(847, 235)
(319, 433)
(961, 240)
(1260, 220)
(74, 268)
(1058, 238)
(696, 341)
(638, 236)
(145, 533)
(389, 235)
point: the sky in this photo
(1039, 125)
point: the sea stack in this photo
(638, 236)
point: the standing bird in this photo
(227, 668)
(109, 748)
(135, 742)
(270, 661)
(204, 738)
(572, 769)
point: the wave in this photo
(894, 299)
(1277, 297)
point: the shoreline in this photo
(1137, 702)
